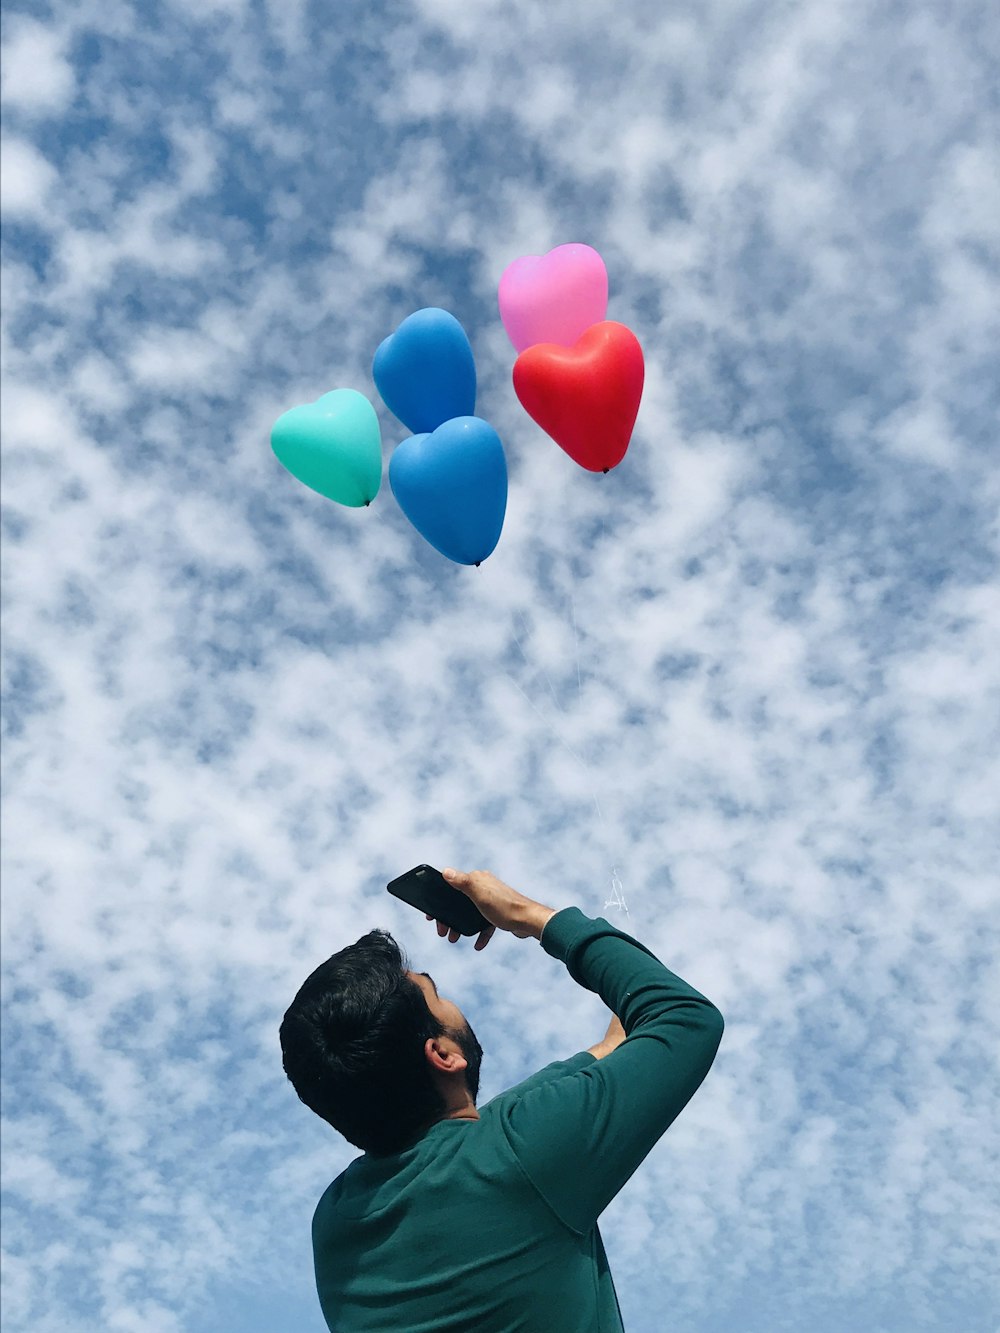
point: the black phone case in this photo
(427, 889)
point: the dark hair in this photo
(352, 1044)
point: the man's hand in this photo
(615, 1034)
(503, 907)
(612, 1039)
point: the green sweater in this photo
(490, 1225)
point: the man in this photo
(461, 1220)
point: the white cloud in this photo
(753, 668)
(36, 78)
(26, 180)
(920, 431)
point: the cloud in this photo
(751, 671)
(37, 77)
(26, 179)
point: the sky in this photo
(752, 672)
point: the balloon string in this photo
(576, 649)
(548, 682)
(563, 743)
(617, 898)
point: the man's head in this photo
(375, 1051)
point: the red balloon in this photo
(585, 396)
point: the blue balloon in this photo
(452, 486)
(425, 371)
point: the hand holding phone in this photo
(427, 889)
(494, 905)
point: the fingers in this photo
(484, 938)
(454, 936)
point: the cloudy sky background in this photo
(754, 668)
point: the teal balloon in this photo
(333, 446)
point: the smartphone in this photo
(425, 888)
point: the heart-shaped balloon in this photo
(452, 486)
(333, 445)
(553, 298)
(585, 396)
(425, 371)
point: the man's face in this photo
(459, 1030)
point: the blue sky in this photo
(753, 669)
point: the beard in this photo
(473, 1052)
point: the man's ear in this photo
(448, 1061)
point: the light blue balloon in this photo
(452, 485)
(425, 371)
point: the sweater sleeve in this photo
(579, 1138)
(557, 1069)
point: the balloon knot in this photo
(367, 503)
(478, 563)
(606, 471)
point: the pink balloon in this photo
(553, 298)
